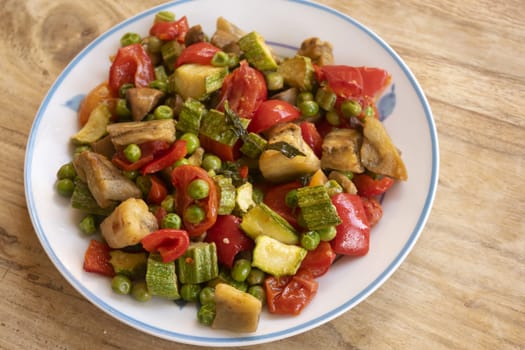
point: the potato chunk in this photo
(128, 224)
(235, 310)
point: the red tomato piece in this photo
(149, 150)
(275, 199)
(200, 53)
(221, 150)
(175, 30)
(272, 112)
(131, 65)
(244, 89)
(319, 260)
(289, 295)
(170, 243)
(96, 259)
(375, 80)
(229, 239)
(175, 152)
(373, 210)
(312, 137)
(367, 186)
(345, 81)
(353, 233)
(157, 192)
(181, 177)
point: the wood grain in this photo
(462, 286)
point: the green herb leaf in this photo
(235, 121)
(286, 149)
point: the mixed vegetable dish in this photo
(211, 170)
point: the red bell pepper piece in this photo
(290, 294)
(175, 30)
(170, 243)
(229, 239)
(200, 53)
(131, 65)
(312, 137)
(157, 191)
(96, 259)
(221, 150)
(181, 177)
(174, 153)
(319, 260)
(275, 199)
(149, 150)
(353, 233)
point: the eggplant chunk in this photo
(320, 52)
(106, 183)
(123, 134)
(128, 224)
(226, 33)
(142, 101)
(378, 152)
(341, 151)
(277, 167)
(235, 310)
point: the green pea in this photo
(65, 187)
(132, 152)
(333, 118)
(192, 142)
(350, 108)
(122, 110)
(234, 60)
(309, 108)
(333, 187)
(258, 292)
(220, 59)
(163, 112)
(160, 73)
(168, 203)
(139, 291)
(369, 112)
(242, 286)
(198, 189)
(255, 276)
(123, 88)
(129, 39)
(310, 240)
(206, 314)
(66, 171)
(154, 44)
(171, 220)
(211, 162)
(207, 295)
(241, 269)
(291, 198)
(121, 284)
(143, 182)
(161, 85)
(304, 96)
(130, 174)
(274, 81)
(165, 16)
(327, 234)
(194, 214)
(81, 149)
(349, 174)
(88, 225)
(182, 161)
(190, 292)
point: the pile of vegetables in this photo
(219, 173)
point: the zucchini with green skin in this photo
(253, 145)
(262, 220)
(277, 258)
(197, 81)
(95, 127)
(257, 52)
(216, 126)
(190, 116)
(198, 264)
(317, 209)
(132, 265)
(227, 194)
(298, 72)
(161, 278)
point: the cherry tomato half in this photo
(131, 65)
(272, 112)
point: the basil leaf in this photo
(286, 149)
(235, 121)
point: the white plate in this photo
(284, 24)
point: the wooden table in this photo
(462, 286)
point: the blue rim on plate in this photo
(243, 339)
